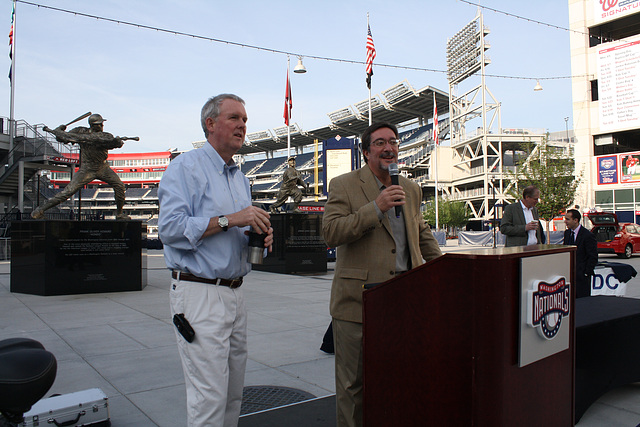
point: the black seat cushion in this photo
(27, 372)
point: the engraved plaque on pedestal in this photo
(77, 257)
(298, 246)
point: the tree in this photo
(429, 213)
(457, 213)
(552, 170)
(451, 213)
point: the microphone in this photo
(393, 172)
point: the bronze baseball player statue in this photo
(94, 146)
(290, 181)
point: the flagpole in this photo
(435, 148)
(371, 55)
(370, 121)
(12, 81)
(288, 111)
(435, 172)
(369, 85)
(315, 167)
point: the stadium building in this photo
(605, 68)
(473, 161)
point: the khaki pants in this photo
(348, 347)
(214, 363)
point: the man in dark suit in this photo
(520, 221)
(586, 253)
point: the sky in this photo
(151, 84)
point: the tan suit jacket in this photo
(366, 250)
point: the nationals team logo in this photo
(609, 9)
(548, 303)
(608, 4)
(607, 163)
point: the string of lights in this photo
(266, 49)
(524, 18)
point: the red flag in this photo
(13, 12)
(435, 121)
(371, 54)
(288, 102)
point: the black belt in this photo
(233, 284)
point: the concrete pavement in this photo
(124, 343)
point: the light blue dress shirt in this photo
(197, 186)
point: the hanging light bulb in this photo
(537, 86)
(300, 67)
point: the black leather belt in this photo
(233, 284)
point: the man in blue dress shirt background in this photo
(205, 216)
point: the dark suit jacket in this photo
(366, 250)
(513, 225)
(586, 259)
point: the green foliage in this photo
(451, 213)
(550, 169)
(429, 214)
(457, 213)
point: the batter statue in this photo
(290, 181)
(94, 146)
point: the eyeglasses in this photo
(381, 142)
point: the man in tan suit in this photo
(373, 245)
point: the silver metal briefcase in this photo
(81, 408)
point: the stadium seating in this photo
(135, 193)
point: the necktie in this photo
(571, 238)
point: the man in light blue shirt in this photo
(205, 216)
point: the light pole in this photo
(495, 209)
(566, 126)
(299, 69)
(439, 189)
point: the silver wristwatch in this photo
(223, 222)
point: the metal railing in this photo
(32, 141)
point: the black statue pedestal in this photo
(298, 246)
(77, 257)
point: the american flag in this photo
(371, 55)
(435, 121)
(288, 102)
(13, 12)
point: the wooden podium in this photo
(443, 343)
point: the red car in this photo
(623, 239)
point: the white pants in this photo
(214, 363)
